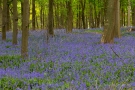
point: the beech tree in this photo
(8, 15)
(82, 3)
(25, 29)
(50, 18)
(15, 22)
(0, 14)
(33, 15)
(133, 15)
(112, 22)
(129, 14)
(4, 20)
(69, 16)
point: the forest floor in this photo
(75, 61)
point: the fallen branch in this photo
(115, 53)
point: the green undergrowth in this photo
(94, 31)
(123, 32)
(9, 83)
(7, 61)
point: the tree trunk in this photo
(8, 18)
(25, 29)
(122, 17)
(33, 15)
(56, 16)
(0, 15)
(15, 22)
(37, 24)
(22, 15)
(112, 23)
(69, 17)
(117, 19)
(79, 20)
(133, 18)
(41, 17)
(4, 20)
(129, 10)
(91, 22)
(50, 19)
(82, 3)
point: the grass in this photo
(94, 31)
(8, 61)
(123, 32)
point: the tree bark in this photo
(50, 18)
(117, 19)
(25, 29)
(129, 10)
(122, 17)
(4, 20)
(112, 23)
(0, 15)
(133, 18)
(22, 15)
(69, 17)
(41, 17)
(82, 2)
(37, 24)
(15, 22)
(8, 16)
(33, 15)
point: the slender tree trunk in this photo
(33, 15)
(41, 17)
(8, 17)
(98, 19)
(21, 15)
(43, 20)
(79, 19)
(95, 14)
(86, 22)
(25, 29)
(129, 10)
(69, 17)
(122, 17)
(37, 24)
(82, 2)
(50, 18)
(133, 18)
(102, 18)
(56, 16)
(15, 22)
(117, 19)
(0, 15)
(105, 10)
(4, 20)
(62, 16)
(91, 22)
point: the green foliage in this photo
(94, 31)
(40, 67)
(10, 61)
(8, 83)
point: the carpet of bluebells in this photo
(74, 61)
